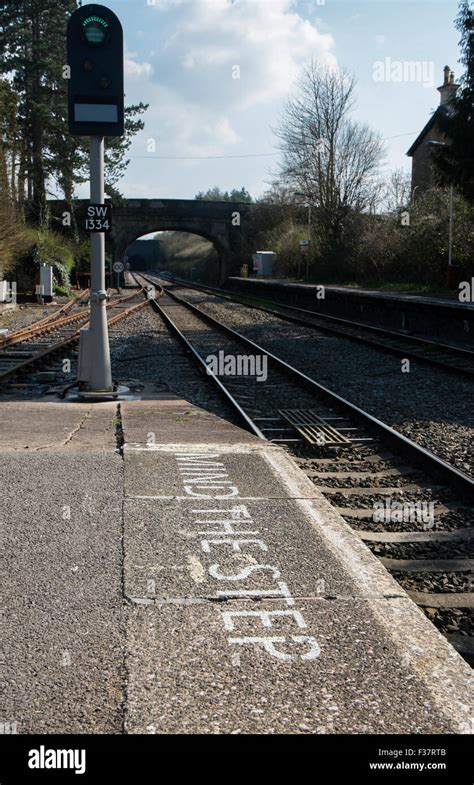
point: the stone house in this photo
(422, 169)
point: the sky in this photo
(216, 74)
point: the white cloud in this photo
(204, 56)
(134, 69)
(196, 106)
(184, 128)
(267, 39)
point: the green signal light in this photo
(95, 30)
(95, 35)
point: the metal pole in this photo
(309, 238)
(451, 223)
(101, 373)
(450, 271)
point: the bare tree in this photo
(397, 191)
(326, 155)
(281, 193)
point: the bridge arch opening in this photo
(190, 255)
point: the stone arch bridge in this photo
(228, 225)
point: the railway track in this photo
(27, 349)
(411, 508)
(456, 359)
(17, 336)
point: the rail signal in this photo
(95, 58)
(96, 109)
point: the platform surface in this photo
(199, 584)
(63, 629)
(401, 296)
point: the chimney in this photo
(448, 88)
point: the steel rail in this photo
(381, 331)
(42, 329)
(25, 332)
(70, 339)
(401, 443)
(202, 364)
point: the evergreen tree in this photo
(33, 46)
(216, 195)
(455, 161)
(8, 139)
(240, 195)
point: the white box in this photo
(46, 280)
(263, 262)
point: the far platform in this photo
(442, 318)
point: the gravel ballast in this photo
(431, 406)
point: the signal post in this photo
(96, 109)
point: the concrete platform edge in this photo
(442, 669)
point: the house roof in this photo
(429, 125)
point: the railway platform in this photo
(399, 296)
(443, 318)
(200, 583)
